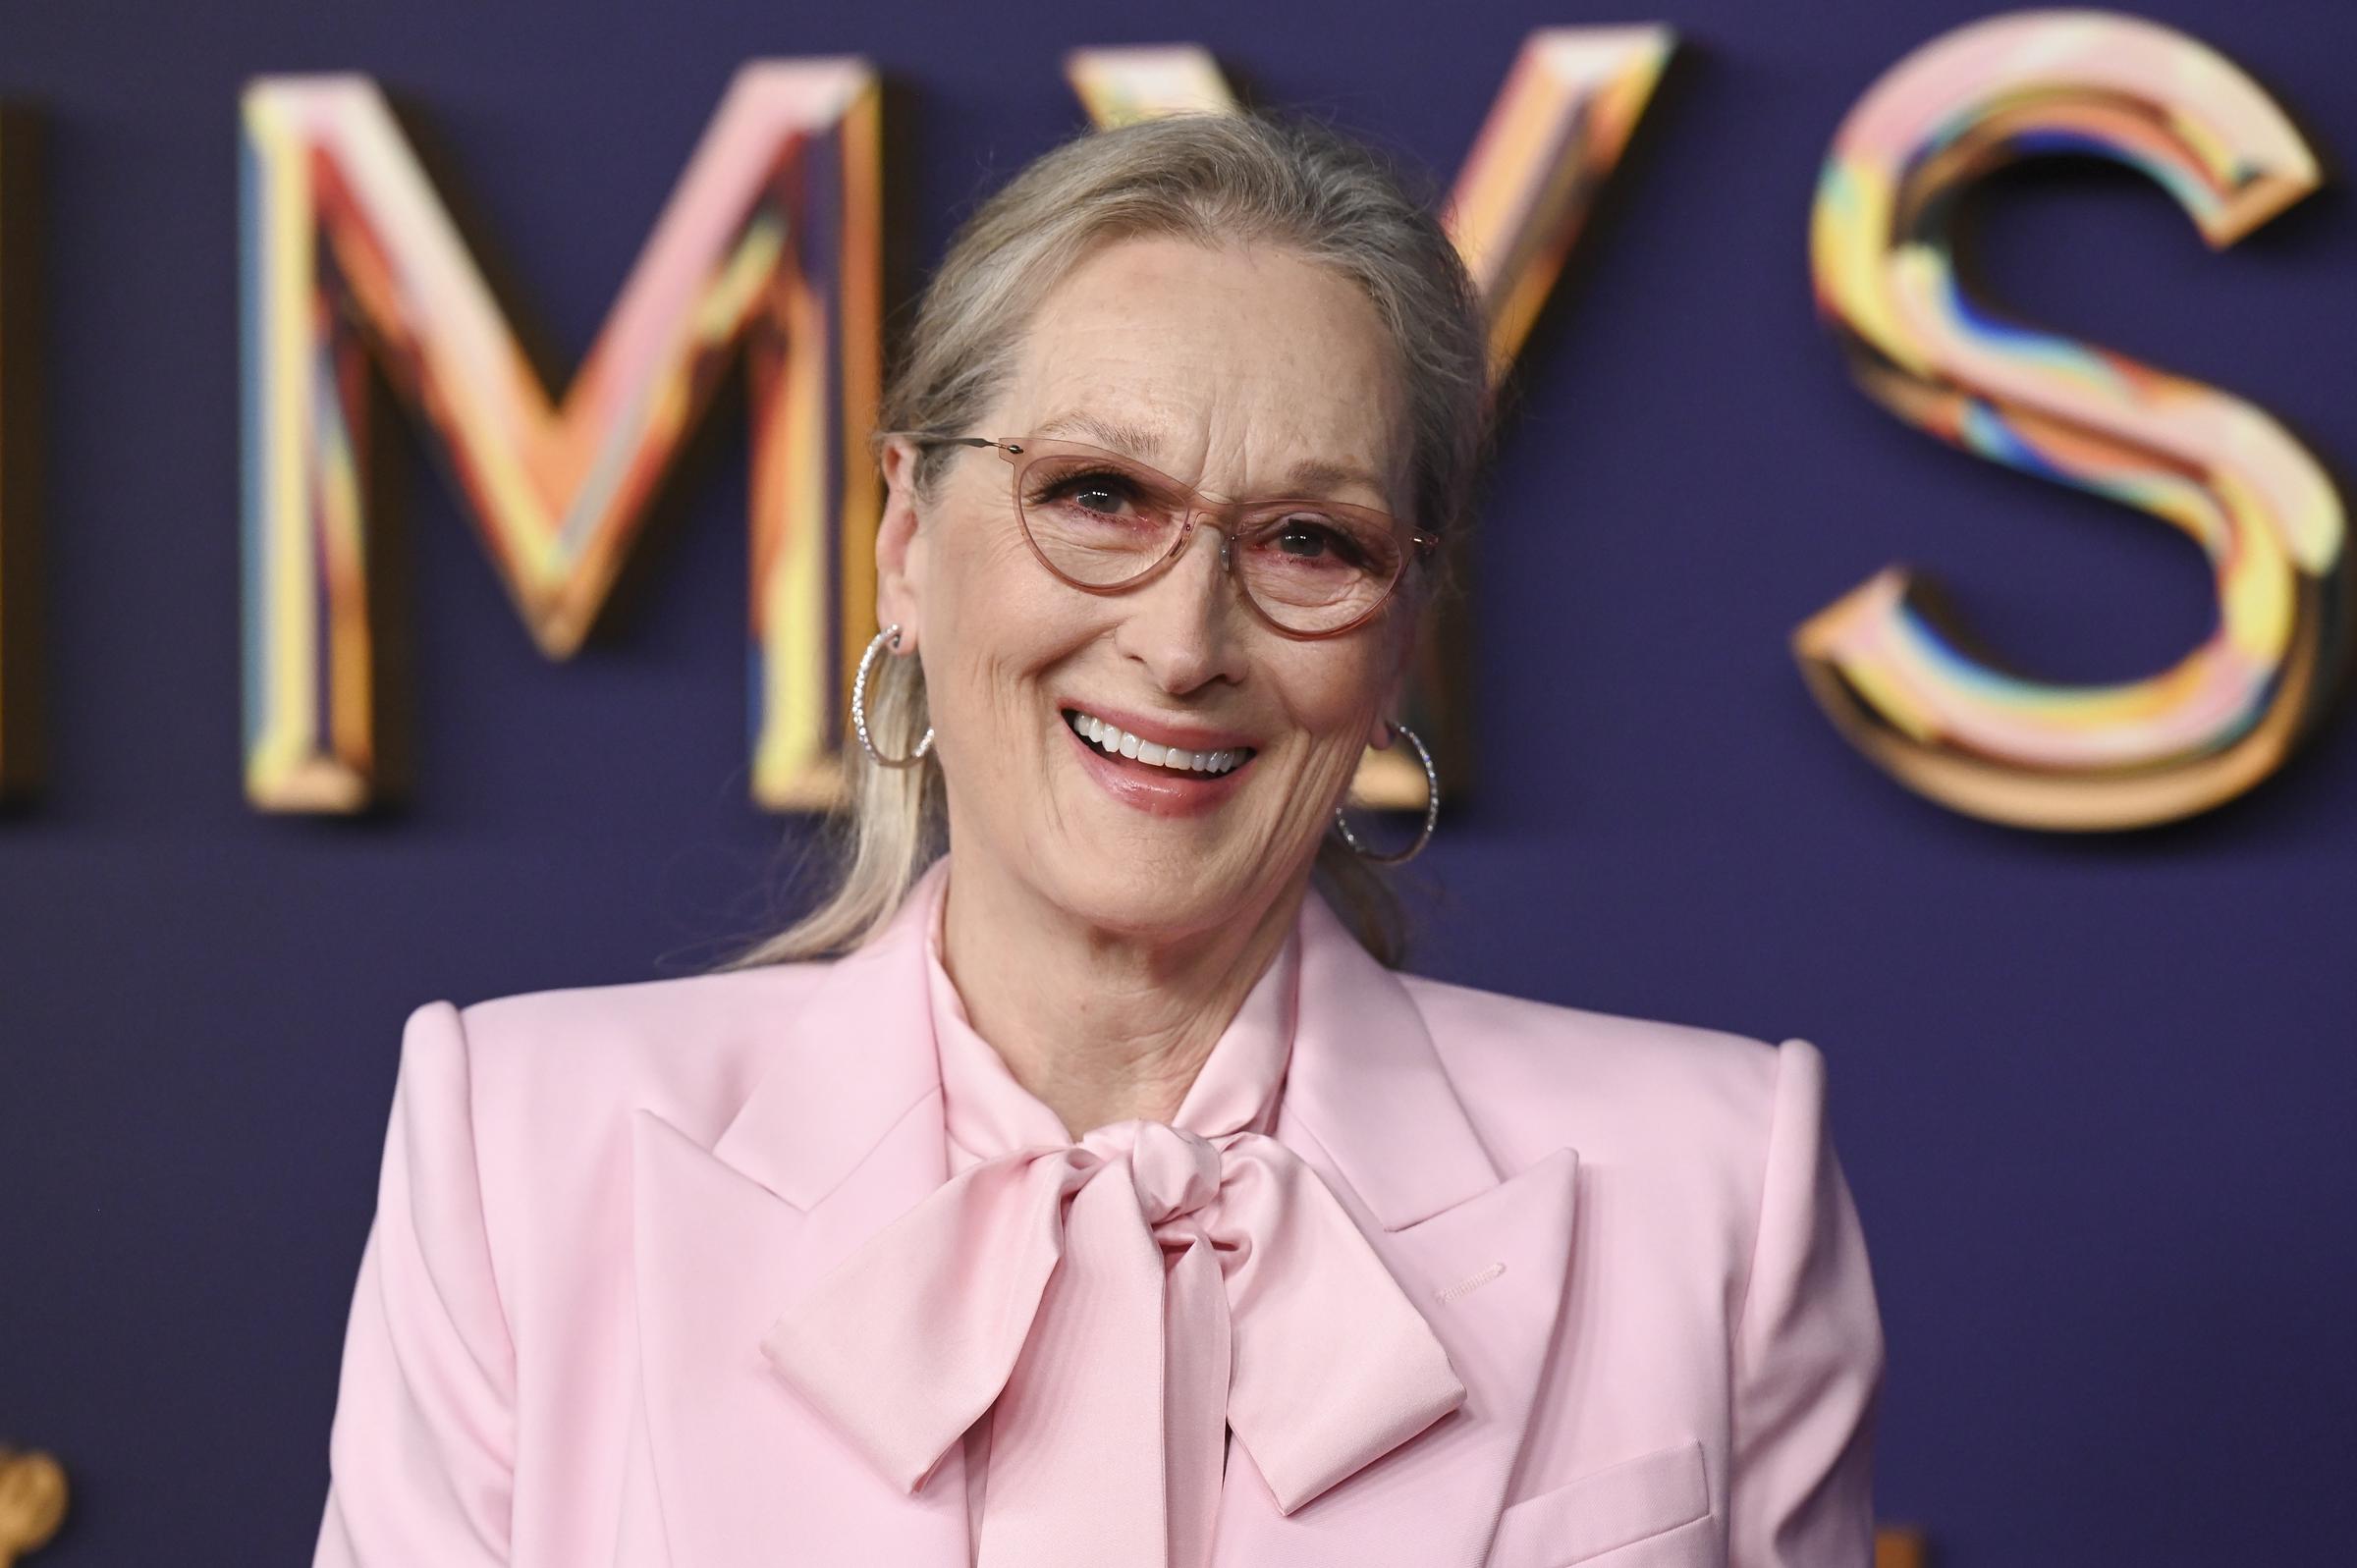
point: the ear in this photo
(900, 549)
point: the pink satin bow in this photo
(1125, 1299)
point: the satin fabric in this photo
(1090, 1316)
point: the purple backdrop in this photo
(2091, 1092)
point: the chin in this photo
(1143, 893)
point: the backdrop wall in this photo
(2091, 1092)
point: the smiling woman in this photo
(1074, 1186)
(1228, 306)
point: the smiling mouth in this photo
(1115, 741)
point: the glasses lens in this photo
(1097, 519)
(1313, 570)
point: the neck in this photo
(1099, 1025)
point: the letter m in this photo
(770, 241)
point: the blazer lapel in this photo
(1369, 1106)
(841, 1135)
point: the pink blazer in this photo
(1633, 1238)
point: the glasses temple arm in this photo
(940, 438)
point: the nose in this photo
(1182, 626)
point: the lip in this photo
(1156, 793)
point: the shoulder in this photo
(565, 1062)
(1500, 1045)
(1623, 1090)
(527, 1104)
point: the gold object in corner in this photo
(1901, 1547)
(32, 1503)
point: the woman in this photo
(1091, 1193)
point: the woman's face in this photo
(1237, 365)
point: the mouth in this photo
(1157, 756)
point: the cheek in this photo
(992, 617)
(1332, 694)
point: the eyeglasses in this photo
(1105, 522)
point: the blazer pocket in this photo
(1619, 1505)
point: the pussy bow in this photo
(1124, 1300)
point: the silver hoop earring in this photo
(1432, 809)
(889, 636)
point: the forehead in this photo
(1237, 365)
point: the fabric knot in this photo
(1175, 1171)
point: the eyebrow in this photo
(1308, 477)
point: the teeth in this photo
(1119, 743)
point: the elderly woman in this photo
(1076, 1187)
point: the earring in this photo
(1432, 809)
(889, 636)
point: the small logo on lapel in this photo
(1470, 1283)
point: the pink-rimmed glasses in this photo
(1106, 522)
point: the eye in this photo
(1099, 490)
(1308, 538)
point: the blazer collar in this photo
(1364, 1075)
(859, 1054)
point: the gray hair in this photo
(1253, 178)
